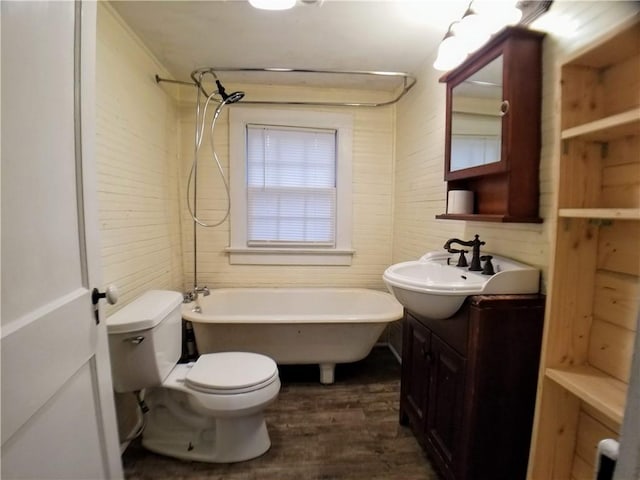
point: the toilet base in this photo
(177, 432)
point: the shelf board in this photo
(482, 217)
(604, 213)
(608, 128)
(613, 47)
(606, 394)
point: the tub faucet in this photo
(193, 295)
(203, 290)
(475, 244)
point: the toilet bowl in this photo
(210, 410)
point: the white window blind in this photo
(472, 150)
(291, 186)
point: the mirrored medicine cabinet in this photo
(492, 142)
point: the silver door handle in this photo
(137, 340)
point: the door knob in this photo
(110, 294)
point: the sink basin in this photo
(432, 288)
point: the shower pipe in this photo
(408, 82)
(225, 99)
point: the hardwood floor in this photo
(348, 431)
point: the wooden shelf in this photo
(604, 213)
(612, 48)
(482, 217)
(591, 320)
(608, 128)
(603, 392)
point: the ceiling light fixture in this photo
(451, 51)
(472, 30)
(273, 4)
(476, 26)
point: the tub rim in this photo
(395, 310)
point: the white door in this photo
(58, 418)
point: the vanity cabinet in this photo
(594, 283)
(492, 142)
(468, 385)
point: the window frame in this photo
(238, 250)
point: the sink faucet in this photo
(475, 244)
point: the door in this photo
(446, 396)
(415, 365)
(58, 418)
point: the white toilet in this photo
(210, 410)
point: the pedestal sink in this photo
(434, 287)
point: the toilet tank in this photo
(145, 340)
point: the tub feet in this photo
(327, 373)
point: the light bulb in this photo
(502, 17)
(451, 53)
(498, 14)
(472, 33)
(272, 4)
(472, 29)
(483, 6)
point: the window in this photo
(290, 187)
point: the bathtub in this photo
(294, 325)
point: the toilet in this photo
(211, 410)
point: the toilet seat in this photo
(229, 373)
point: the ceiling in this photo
(360, 35)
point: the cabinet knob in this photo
(426, 354)
(504, 108)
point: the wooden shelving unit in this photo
(594, 288)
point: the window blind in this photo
(291, 186)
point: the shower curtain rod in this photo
(408, 82)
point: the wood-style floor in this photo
(348, 430)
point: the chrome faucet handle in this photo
(188, 297)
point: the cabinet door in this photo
(446, 396)
(415, 375)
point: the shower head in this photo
(235, 97)
(229, 98)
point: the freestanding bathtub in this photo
(294, 325)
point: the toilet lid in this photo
(231, 372)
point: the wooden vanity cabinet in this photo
(469, 384)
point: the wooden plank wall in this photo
(137, 162)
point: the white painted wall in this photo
(137, 157)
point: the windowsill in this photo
(289, 256)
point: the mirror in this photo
(476, 118)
